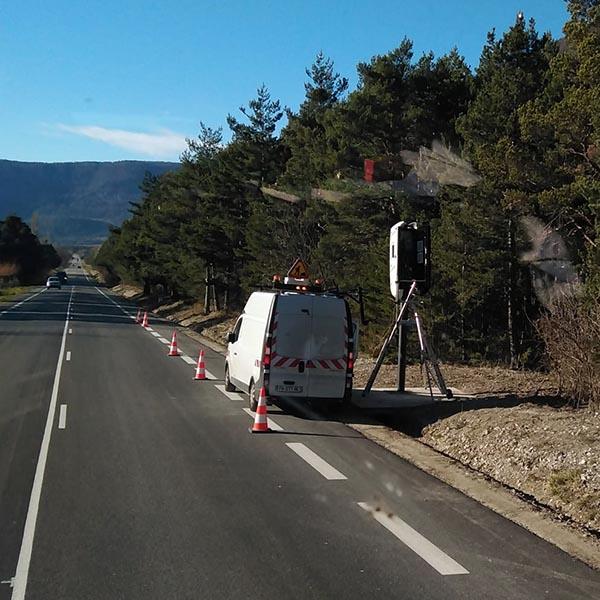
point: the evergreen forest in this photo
(503, 162)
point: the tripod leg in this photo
(388, 340)
(424, 359)
(431, 361)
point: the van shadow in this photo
(410, 420)
(318, 410)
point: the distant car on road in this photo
(53, 282)
(62, 276)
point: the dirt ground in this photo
(479, 380)
(551, 454)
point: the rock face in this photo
(551, 454)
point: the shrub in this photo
(571, 334)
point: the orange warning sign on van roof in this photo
(299, 270)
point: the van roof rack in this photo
(299, 286)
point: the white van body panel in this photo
(245, 354)
(309, 344)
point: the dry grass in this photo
(484, 380)
(9, 292)
(553, 454)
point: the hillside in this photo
(73, 203)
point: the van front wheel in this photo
(253, 400)
(229, 387)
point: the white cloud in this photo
(165, 143)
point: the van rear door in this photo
(328, 348)
(291, 345)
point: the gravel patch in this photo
(552, 454)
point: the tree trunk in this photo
(206, 287)
(513, 342)
(462, 305)
(213, 288)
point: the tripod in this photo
(428, 358)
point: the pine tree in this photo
(512, 71)
(255, 147)
(310, 158)
(564, 124)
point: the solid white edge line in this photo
(231, 395)
(20, 579)
(272, 425)
(430, 553)
(23, 301)
(315, 461)
(155, 333)
(160, 339)
(62, 416)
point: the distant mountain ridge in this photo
(74, 202)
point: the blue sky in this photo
(130, 79)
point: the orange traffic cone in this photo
(200, 369)
(138, 315)
(173, 347)
(145, 319)
(260, 418)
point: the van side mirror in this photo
(231, 337)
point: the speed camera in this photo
(410, 257)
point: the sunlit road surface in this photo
(123, 478)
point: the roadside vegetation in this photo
(503, 162)
(24, 260)
(8, 292)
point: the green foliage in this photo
(564, 123)
(22, 254)
(310, 158)
(255, 150)
(398, 105)
(528, 120)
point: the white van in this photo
(295, 344)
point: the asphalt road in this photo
(123, 478)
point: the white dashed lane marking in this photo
(274, 426)
(68, 355)
(231, 395)
(315, 461)
(429, 552)
(62, 417)
(188, 359)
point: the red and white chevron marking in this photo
(331, 364)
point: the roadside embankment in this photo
(516, 430)
(551, 454)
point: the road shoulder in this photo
(487, 492)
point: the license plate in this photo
(288, 389)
